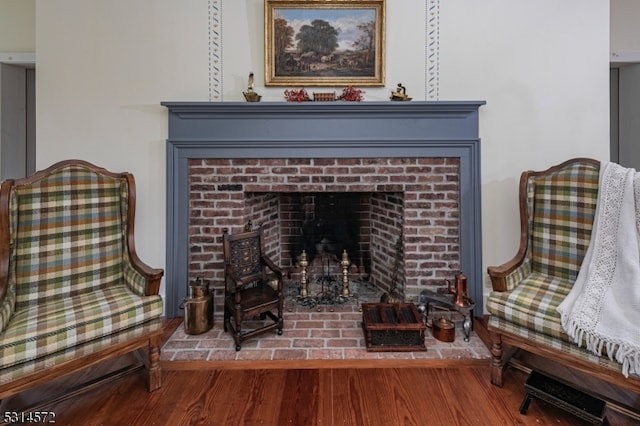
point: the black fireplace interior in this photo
(332, 223)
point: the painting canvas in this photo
(324, 43)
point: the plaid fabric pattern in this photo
(7, 307)
(562, 211)
(532, 304)
(67, 230)
(46, 329)
(36, 365)
(133, 279)
(515, 277)
(72, 289)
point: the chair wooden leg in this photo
(497, 363)
(280, 323)
(155, 372)
(280, 309)
(238, 327)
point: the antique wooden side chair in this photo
(253, 286)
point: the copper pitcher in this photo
(460, 290)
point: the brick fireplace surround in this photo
(414, 168)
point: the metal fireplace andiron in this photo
(330, 293)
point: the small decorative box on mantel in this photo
(390, 327)
(324, 97)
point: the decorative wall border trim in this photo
(215, 50)
(432, 51)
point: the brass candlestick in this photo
(303, 274)
(345, 273)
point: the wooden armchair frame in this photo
(502, 340)
(148, 343)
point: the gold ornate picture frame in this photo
(324, 42)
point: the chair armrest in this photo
(271, 265)
(150, 276)
(502, 276)
(506, 277)
(231, 277)
(7, 308)
(7, 295)
(142, 278)
(4, 273)
(5, 239)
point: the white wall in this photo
(104, 68)
(17, 26)
(543, 69)
(625, 33)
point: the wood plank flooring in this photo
(454, 392)
(342, 396)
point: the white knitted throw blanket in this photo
(603, 308)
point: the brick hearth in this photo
(328, 333)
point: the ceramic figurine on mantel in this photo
(249, 94)
(400, 94)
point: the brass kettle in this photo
(198, 308)
(460, 290)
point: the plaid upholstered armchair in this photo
(557, 210)
(73, 291)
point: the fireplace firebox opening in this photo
(365, 225)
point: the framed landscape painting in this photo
(324, 43)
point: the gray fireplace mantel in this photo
(320, 130)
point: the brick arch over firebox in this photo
(379, 137)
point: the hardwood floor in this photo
(453, 393)
(362, 396)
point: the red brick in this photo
(309, 324)
(341, 343)
(308, 343)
